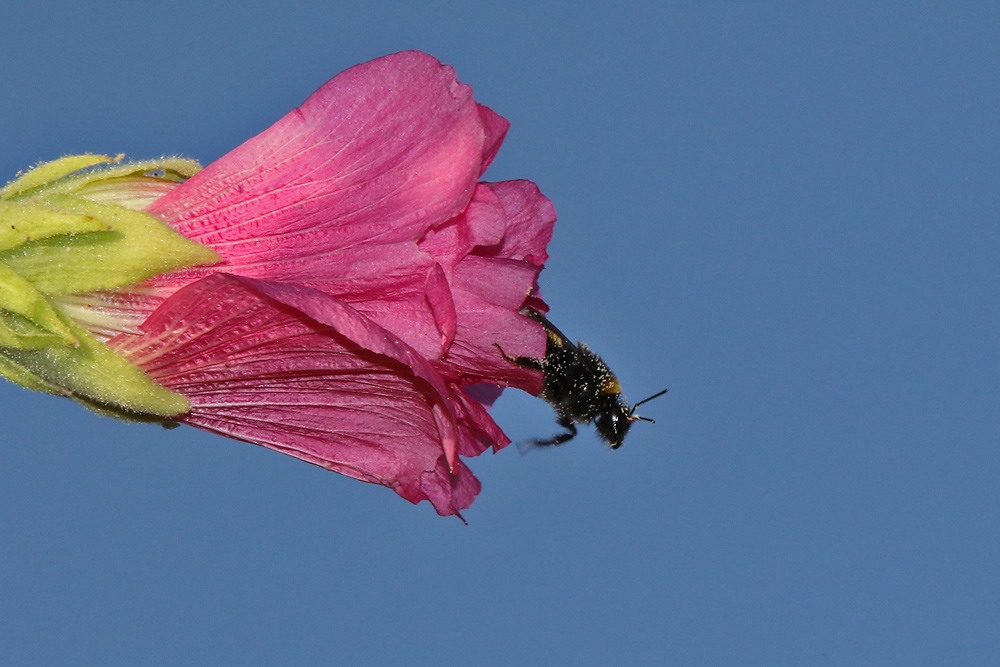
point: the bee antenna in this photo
(646, 400)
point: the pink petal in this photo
(501, 252)
(485, 394)
(530, 218)
(338, 194)
(374, 158)
(496, 127)
(383, 150)
(489, 325)
(297, 371)
(482, 223)
(395, 285)
(478, 430)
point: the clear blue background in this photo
(785, 212)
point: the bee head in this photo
(614, 422)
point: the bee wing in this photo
(552, 331)
(526, 447)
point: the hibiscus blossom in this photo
(346, 296)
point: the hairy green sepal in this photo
(55, 239)
(90, 371)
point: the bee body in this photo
(581, 388)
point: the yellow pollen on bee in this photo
(611, 386)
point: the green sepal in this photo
(91, 373)
(140, 246)
(20, 334)
(26, 379)
(171, 168)
(125, 415)
(46, 172)
(20, 376)
(71, 173)
(29, 315)
(69, 227)
(24, 223)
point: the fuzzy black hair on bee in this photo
(581, 388)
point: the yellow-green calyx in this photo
(71, 226)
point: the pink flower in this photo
(367, 280)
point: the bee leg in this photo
(527, 362)
(561, 438)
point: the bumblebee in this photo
(581, 388)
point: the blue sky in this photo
(785, 212)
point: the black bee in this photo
(581, 388)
